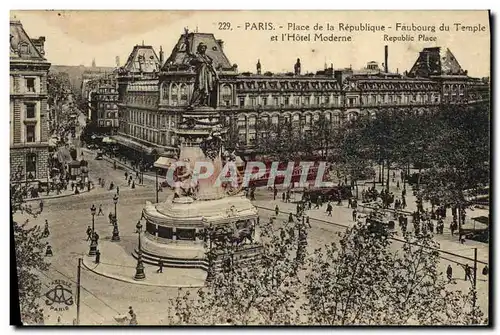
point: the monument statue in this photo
(205, 85)
(212, 145)
(185, 186)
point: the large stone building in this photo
(28, 105)
(102, 98)
(151, 102)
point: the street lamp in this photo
(139, 269)
(93, 240)
(116, 233)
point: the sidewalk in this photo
(64, 193)
(116, 263)
(147, 175)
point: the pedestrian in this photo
(297, 210)
(136, 174)
(99, 181)
(397, 184)
(467, 272)
(114, 165)
(126, 175)
(133, 184)
(48, 252)
(133, 320)
(287, 196)
(97, 257)
(117, 190)
(46, 231)
(89, 233)
(449, 272)
(329, 209)
(160, 266)
(100, 210)
(485, 270)
(41, 205)
(354, 215)
(275, 192)
(72, 186)
(308, 222)
(349, 202)
(276, 210)
(290, 217)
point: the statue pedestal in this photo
(176, 230)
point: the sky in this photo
(77, 37)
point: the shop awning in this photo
(164, 162)
(131, 144)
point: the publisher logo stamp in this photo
(60, 297)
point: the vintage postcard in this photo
(250, 167)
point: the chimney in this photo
(221, 44)
(386, 59)
(117, 60)
(161, 55)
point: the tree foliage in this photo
(360, 280)
(260, 292)
(29, 249)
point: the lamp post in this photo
(93, 240)
(156, 183)
(116, 233)
(139, 269)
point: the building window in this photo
(31, 166)
(174, 96)
(297, 101)
(226, 95)
(308, 120)
(317, 102)
(276, 101)
(287, 101)
(264, 101)
(184, 94)
(30, 84)
(275, 119)
(253, 101)
(30, 133)
(251, 121)
(30, 111)
(242, 101)
(327, 99)
(336, 119)
(242, 122)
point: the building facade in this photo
(151, 103)
(28, 105)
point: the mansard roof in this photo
(143, 59)
(21, 46)
(436, 62)
(179, 56)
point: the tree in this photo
(353, 158)
(282, 142)
(29, 246)
(361, 281)
(260, 292)
(459, 155)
